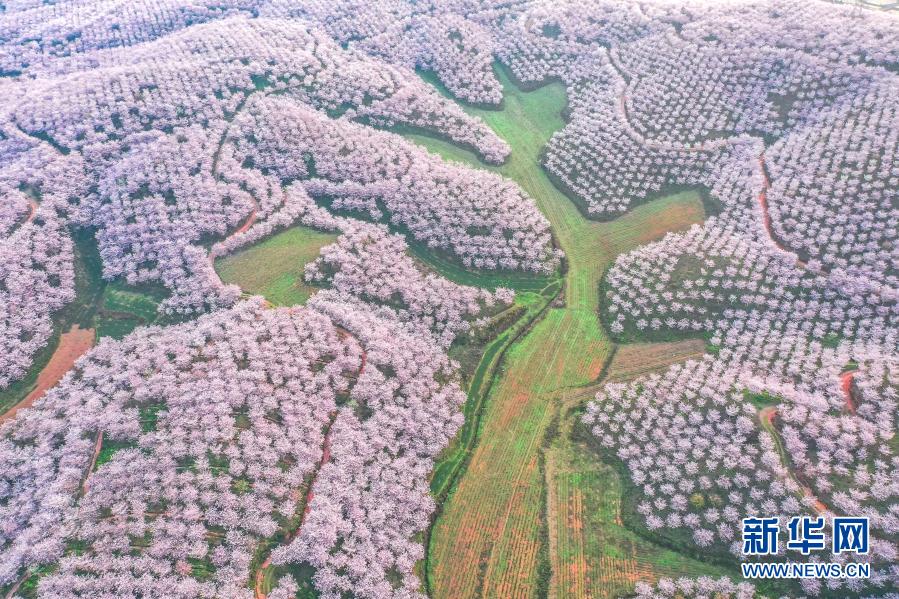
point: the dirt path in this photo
(15, 588)
(326, 457)
(763, 199)
(87, 475)
(846, 385)
(33, 205)
(702, 147)
(766, 418)
(248, 222)
(243, 228)
(72, 345)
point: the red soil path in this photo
(247, 223)
(766, 215)
(72, 345)
(703, 147)
(33, 206)
(846, 380)
(243, 228)
(326, 456)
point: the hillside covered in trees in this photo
(501, 247)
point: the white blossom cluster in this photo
(835, 184)
(703, 587)
(372, 497)
(700, 460)
(241, 399)
(665, 95)
(36, 276)
(37, 35)
(568, 40)
(223, 424)
(138, 135)
(703, 443)
(693, 443)
(36, 251)
(152, 135)
(482, 218)
(849, 460)
(692, 281)
(373, 265)
(453, 40)
(599, 158)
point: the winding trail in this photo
(763, 200)
(626, 82)
(325, 458)
(251, 219)
(766, 419)
(248, 222)
(98, 445)
(766, 214)
(72, 345)
(33, 206)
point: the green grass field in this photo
(489, 538)
(123, 308)
(593, 553)
(274, 267)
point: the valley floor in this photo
(534, 512)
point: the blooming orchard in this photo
(173, 462)
(216, 131)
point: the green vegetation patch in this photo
(28, 589)
(761, 400)
(527, 308)
(492, 507)
(595, 553)
(109, 449)
(273, 268)
(302, 574)
(123, 308)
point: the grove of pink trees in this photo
(702, 454)
(482, 218)
(373, 265)
(220, 423)
(180, 131)
(222, 420)
(145, 141)
(690, 588)
(664, 95)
